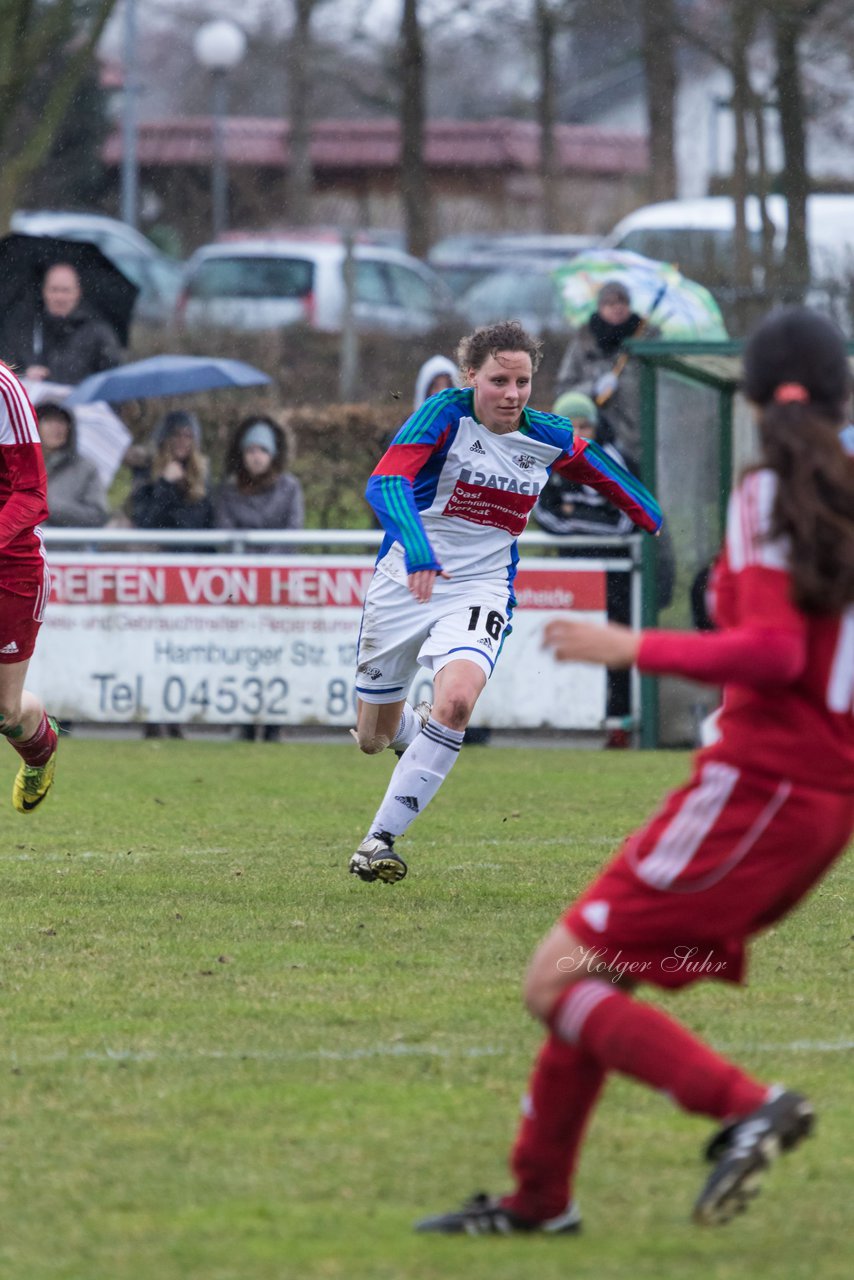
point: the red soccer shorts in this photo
(20, 619)
(724, 857)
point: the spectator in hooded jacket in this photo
(75, 493)
(68, 340)
(436, 374)
(259, 492)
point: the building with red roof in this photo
(483, 175)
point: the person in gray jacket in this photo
(75, 494)
(598, 364)
(258, 491)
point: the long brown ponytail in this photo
(796, 372)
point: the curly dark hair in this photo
(797, 348)
(506, 335)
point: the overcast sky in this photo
(377, 16)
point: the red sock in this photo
(624, 1035)
(38, 749)
(561, 1095)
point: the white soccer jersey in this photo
(452, 494)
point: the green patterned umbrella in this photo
(682, 309)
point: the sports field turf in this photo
(224, 1059)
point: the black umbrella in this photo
(25, 259)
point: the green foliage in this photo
(337, 445)
(227, 1060)
(46, 50)
(73, 176)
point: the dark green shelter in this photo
(696, 434)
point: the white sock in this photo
(417, 777)
(408, 730)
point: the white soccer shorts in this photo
(398, 634)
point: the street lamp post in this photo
(219, 46)
(130, 161)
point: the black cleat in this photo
(375, 859)
(742, 1152)
(483, 1215)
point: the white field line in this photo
(359, 1055)
(87, 855)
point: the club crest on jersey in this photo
(525, 461)
(477, 447)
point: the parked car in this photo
(388, 237)
(699, 234)
(264, 284)
(463, 260)
(158, 277)
(525, 290)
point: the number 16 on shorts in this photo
(486, 628)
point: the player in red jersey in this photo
(24, 589)
(768, 809)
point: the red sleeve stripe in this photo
(19, 411)
(405, 459)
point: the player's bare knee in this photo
(371, 742)
(455, 712)
(538, 996)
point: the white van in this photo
(697, 235)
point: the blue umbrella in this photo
(165, 376)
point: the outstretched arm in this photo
(589, 464)
(750, 655)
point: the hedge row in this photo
(336, 445)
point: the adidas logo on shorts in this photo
(408, 802)
(477, 447)
(11, 647)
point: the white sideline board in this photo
(231, 639)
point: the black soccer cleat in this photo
(375, 859)
(743, 1151)
(483, 1215)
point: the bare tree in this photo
(299, 182)
(791, 19)
(547, 21)
(659, 40)
(414, 187)
(45, 50)
(743, 27)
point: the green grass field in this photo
(225, 1059)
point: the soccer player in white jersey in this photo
(453, 492)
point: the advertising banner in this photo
(239, 639)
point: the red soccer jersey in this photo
(788, 705)
(23, 491)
